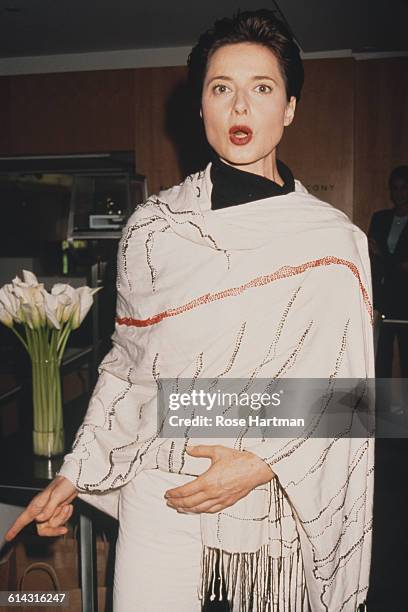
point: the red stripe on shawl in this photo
(283, 272)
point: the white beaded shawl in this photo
(278, 287)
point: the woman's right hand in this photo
(50, 509)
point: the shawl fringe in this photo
(259, 578)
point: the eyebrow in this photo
(255, 78)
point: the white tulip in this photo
(67, 300)
(85, 299)
(30, 294)
(10, 302)
(51, 310)
(30, 279)
(5, 316)
(30, 317)
(63, 288)
(32, 306)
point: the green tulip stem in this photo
(42, 344)
(63, 341)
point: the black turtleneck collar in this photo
(232, 186)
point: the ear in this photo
(289, 111)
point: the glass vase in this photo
(48, 428)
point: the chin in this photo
(239, 157)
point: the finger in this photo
(24, 518)
(191, 488)
(55, 515)
(44, 530)
(220, 501)
(214, 509)
(56, 522)
(71, 497)
(206, 507)
(191, 501)
(202, 450)
(61, 518)
(16, 527)
(57, 498)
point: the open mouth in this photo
(240, 134)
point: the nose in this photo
(240, 104)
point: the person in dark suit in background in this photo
(388, 244)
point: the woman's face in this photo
(244, 106)
(399, 192)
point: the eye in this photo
(220, 89)
(262, 88)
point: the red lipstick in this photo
(240, 134)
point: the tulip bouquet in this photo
(43, 321)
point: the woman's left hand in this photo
(232, 475)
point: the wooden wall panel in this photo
(381, 131)
(318, 146)
(156, 92)
(350, 129)
(72, 112)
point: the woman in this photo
(236, 273)
(388, 242)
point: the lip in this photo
(243, 140)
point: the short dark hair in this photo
(261, 27)
(400, 172)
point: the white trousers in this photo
(158, 550)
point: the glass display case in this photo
(101, 204)
(56, 198)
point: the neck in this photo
(266, 167)
(235, 184)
